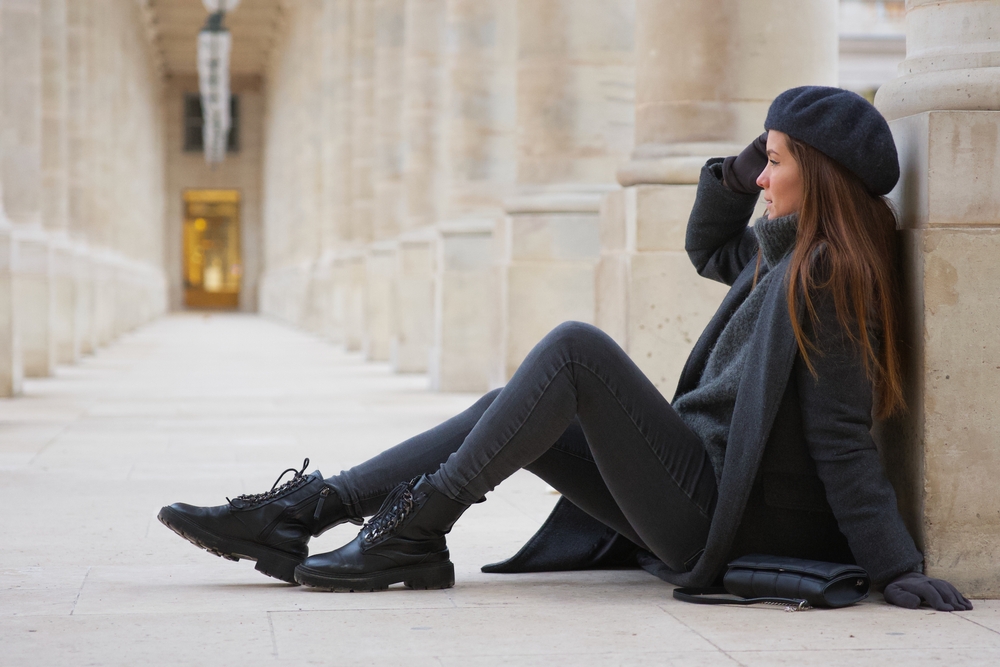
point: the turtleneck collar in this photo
(776, 236)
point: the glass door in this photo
(212, 266)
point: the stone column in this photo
(101, 57)
(388, 81)
(11, 365)
(706, 73)
(943, 456)
(311, 120)
(387, 176)
(575, 79)
(336, 156)
(362, 120)
(55, 203)
(479, 167)
(77, 170)
(424, 88)
(21, 171)
(349, 283)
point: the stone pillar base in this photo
(549, 250)
(64, 301)
(85, 340)
(942, 456)
(317, 288)
(32, 300)
(413, 327)
(349, 296)
(104, 298)
(380, 268)
(331, 324)
(464, 316)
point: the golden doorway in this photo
(212, 264)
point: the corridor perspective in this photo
(235, 234)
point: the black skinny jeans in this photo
(581, 415)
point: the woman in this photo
(765, 448)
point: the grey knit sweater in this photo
(708, 408)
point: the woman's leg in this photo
(568, 466)
(364, 487)
(652, 465)
(274, 528)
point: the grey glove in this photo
(740, 172)
(910, 589)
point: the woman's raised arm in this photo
(718, 241)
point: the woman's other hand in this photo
(740, 172)
(910, 589)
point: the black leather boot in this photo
(272, 528)
(404, 542)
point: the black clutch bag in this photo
(794, 583)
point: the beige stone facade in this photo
(944, 111)
(81, 165)
(437, 183)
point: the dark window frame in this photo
(193, 139)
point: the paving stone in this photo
(195, 409)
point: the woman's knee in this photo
(577, 336)
(491, 395)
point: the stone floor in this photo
(197, 407)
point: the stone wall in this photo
(943, 454)
(82, 174)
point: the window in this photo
(193, 122)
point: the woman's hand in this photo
(740, 172)
(910, 589)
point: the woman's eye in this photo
(774, 162)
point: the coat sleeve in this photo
(836, 417)
(719, 242)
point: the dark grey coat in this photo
(802, 476)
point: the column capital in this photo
(952, 59)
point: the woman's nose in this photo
(762, 179)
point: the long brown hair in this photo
(857, 232)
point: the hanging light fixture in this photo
(214, 43)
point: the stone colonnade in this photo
(473, 142)
(81, 173)
(502, 166)
(446, 180)
(379, 234)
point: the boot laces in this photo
(391, 515)
(251, 500)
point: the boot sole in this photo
(429, 576)
(271, 562)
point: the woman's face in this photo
(781, 178)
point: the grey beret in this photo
(843, 126)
